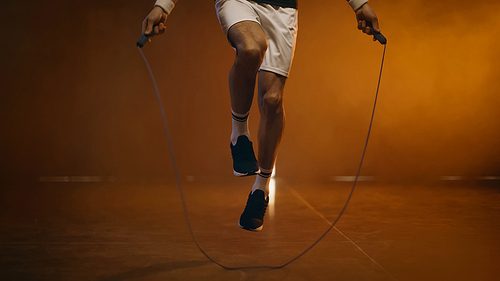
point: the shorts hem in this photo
(229, 27)
(274, 70)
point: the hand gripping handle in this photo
(377, 35)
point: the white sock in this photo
(240, 126)
(262, 181)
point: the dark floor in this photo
(76, 231)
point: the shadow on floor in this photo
(155, 269)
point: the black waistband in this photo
(281, 3)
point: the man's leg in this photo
(271, 125)
(272, 117)
(250, 42)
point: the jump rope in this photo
(142, 41)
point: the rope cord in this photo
(181, 192)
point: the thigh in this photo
(247, 34)
(239, 21)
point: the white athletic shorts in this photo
(279, 24)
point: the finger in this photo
(162, 28)
(368, 30)
(149, 28)
(153, 32)
(360, 24)
(144, 25)
(363, 26)
(375, 25)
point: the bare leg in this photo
(250, 42)
(270, 97)
(272, 117)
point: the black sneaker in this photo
(244, 161)
(252, 217)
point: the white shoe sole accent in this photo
(245, 174)
(254, 230)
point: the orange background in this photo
(77, 98)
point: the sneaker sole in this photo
(254, 230)
(245, 174)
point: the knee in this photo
(271, 103)
(252, 53)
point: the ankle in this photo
(262, 181)
(239, 126)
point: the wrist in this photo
(356, 4)
(166, 5)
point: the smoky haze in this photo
(77, 98)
